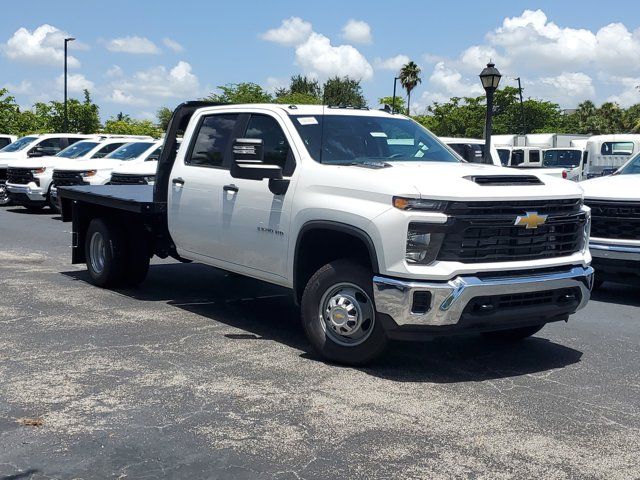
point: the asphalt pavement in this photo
(202, 374)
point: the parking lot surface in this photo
(202, 374)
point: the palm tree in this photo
(409, 78)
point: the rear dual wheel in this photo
(115, 257)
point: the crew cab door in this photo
(255, 220)
(195, 187)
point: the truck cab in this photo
(472, 149)
(379, 230)
(604, 154)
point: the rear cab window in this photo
(617, 148)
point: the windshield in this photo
(561, 158)
(632, 167)
(130, 151)
(19, 144)
(77, 150)
(351, 139)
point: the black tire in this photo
(50, 201)
(138, 257)
(5, 201)
(329, 277)
(114, 252)
(514, 334)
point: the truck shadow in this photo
(267, 312)
(618, 293)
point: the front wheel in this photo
(514, 334)
(339, 316)
(4, 195)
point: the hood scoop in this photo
(505, 180)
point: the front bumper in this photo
(616, 251)
(448, 300)
(616, 260)
(31, 191)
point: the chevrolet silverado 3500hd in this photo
(377, 238)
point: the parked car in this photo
(472, 149)
(136, 173)
(615, 228)
(6, 140)
(98, 171)
(606, 153)
(377, 240)
(29, 147)
(29, 181)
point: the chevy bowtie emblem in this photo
(530, 220)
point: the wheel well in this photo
(318, 246)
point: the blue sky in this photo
(138, 56)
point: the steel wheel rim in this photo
(97, 252)
(346, 314)
(4, 196)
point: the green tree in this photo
(246, 92)
(398, 105)
(9, 112)
(82, 116)
(128, 126)
(306, 86)
(409, 79)
(343, 91)
(298, 99)
(163, 115)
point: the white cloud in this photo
(391, 63)
(318, 57)
(476, 58)
(357, 31)
(274, 83)
(134, 45)
(173, 45)
(75, 83)
(444, 83)
(115, 71)
(567, 89)
(43, 46)
(155, 84)
(630, 94)
(23, 87)
(291, 32)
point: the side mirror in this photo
(248, 161)
(36, 152)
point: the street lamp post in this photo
(66, 119)
(490, 78)
(522, 119)
(393, 100)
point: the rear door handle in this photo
(230, 188)
(178, 181)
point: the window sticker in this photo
(307, 121)
(378, 134)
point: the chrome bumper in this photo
(448, 299)
(615, 252)
(27, 190)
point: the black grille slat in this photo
(505, 180)
(67, 178)
(485, 231)
(120, 179)
(19, 176)
(615, 219)
(483, 305)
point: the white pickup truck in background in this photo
(472, 149)
(378, 229)
(6, 140)
(615, 231)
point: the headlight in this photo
(422, 244)
(419, 204)
(587, 228)
(150, 180)
(37, 171)
(88, 173)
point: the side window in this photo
(107, 149)
(155, 155)
(534, 156)
(71, 141)
(276, 147)
(517, 157)
(50, 146)
(211, 140)
(617, 148)
(4, 142)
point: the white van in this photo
(606, 153)
(471, 149)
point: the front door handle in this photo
(230, 188)
(178, 181)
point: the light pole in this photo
(522, 119)
(66, 120)
(393, 100)
(490, 78)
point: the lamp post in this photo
(490, 78)
(522, 118)
(66, 120)
(393, 100)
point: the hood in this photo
(137, 168)
(36, 162)
(447, 181)
(9, 157)
(613, 187)
(91, 164)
